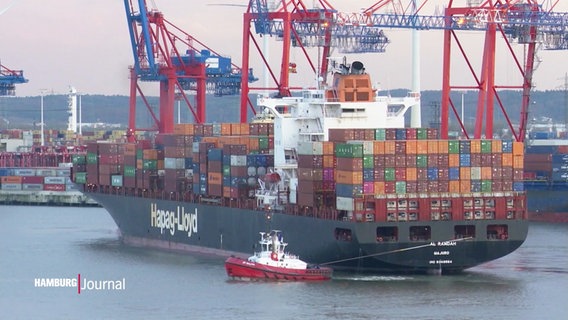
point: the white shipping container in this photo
(310, 148)
(54, 180)
(11, 186)
(46, 172)
(63, 172)
(475, 173)
(238, 161)
(32, 186)
(343, 203)
(24, 172)
(368, 146)
(174, 163)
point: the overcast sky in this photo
(85, 44)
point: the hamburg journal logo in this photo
(82, 284)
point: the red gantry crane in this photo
(164, 53)
(522, 21)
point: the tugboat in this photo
(274, 263)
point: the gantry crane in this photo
(292, 22)
(521, 21)
(8, 80)
(191, 65)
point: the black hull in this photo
(225, 231)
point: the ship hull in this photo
(227, 231)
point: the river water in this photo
(40, 244)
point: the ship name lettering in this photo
(447, 243)
(173, 220)
(441, 253)
(440, 261)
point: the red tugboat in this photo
(273, 263)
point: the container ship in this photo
(546, 171)
(335, 168)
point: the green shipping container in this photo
(380, 134)
(389, 174)
(368, 161)
(422, 134)
(227, 170)
(400, 186)
(263, 143)
(149, 164)
(92, 158)
(129, 171)
(79, 159)
(116, 180)
(139, 153)
(453, 146)
(349, 150)
(80, 177)
(421, 161)
(485, 146)
(486, 186)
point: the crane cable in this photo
(392, 251)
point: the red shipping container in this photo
(32, 179)
(390, 187)
(56, 187)
(400, 174)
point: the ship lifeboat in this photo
(272, 177)
(273, 263)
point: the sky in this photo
(85, 44)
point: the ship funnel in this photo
(357, 67)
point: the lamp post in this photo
(41, 91)
(80, 116)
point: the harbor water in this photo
(45, 250)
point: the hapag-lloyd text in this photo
(173, 220)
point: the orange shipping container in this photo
(214, 178)
(379, 147)
(486, 173)
(432, 146)
(11, 179)
(328, 147)
(411, 146)
(226, 129)
(379, 187)
(454, 186)
(421, 146)
(390, 147)
(507, 159)
(328, 161)
(496, 146)
(236, 129)
(465, 172)
(443, 146)
(454, 160)
(518, 148)
(465, 186)
(518, 161)
(475, 146)
(150, 154)
(348, 177)
(411, 174)
(245, 129)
